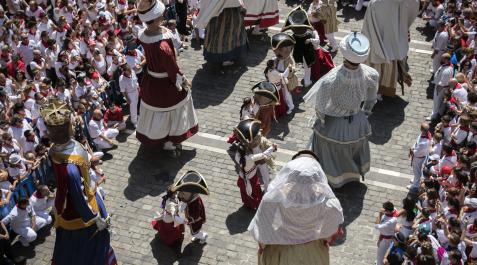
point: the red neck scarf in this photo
(393, 214)
(38, 195)
(426, 135)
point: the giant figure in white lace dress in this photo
(343, 99)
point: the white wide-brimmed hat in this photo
(150, 10)
(355, 47)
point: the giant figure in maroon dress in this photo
(167, 111)
(80, 214)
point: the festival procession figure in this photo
(280, 81)
(167, 110)
(261, 14)
(81, 219)
(168, 223)
(324, 63)
(298, 217)
(223, 45)
(386, 25)
(189, 187)
(266, 95)
(341, 130)
(306, 41)
(254, 159)
(322, 14)
(248, 110)
(282, 46)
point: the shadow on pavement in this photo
(426, 31)
(238, 221)
(214, 83)
(351, 197)
(166, 255)
(153, 171)
(257, 51)
(29, 252)
(348, 13)
(387, 115)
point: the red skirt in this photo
(252, 201)
(320, 28)
(281, 109)
(170, 235)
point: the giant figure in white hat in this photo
(341, 130)
(167, 112)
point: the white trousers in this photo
(332, 40)
(288, 98)
(436, 61)
(437, 100)
(44, 216)
(133, 101)
(382, 248)
(307, 76)
(27, 234)
(417, 170)
(110, 133)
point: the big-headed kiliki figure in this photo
(343, 99)
(167, 112)
(80, 214)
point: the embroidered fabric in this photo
(341, 92)
(299, 206)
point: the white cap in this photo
(355, 47)
(472, 202)
(100, 5)
(14, 159)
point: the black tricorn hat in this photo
(192, 182)
(268, 90)
(297, 18)
(282, 40)
(248, 129)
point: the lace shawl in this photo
(341, 92)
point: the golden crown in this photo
(55, 112)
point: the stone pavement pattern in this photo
(136, 178)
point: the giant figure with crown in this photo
(81, 218)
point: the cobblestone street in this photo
(136, 178)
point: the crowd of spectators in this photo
(437, 221)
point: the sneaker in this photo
(203, 240)
(227, 63)
(256, 31)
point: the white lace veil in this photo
(299, 206)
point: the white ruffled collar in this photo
(151, 39)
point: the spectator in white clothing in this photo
(102, 136)
(29, 141)
(129, 86)
(23, 221)
(42, 201)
